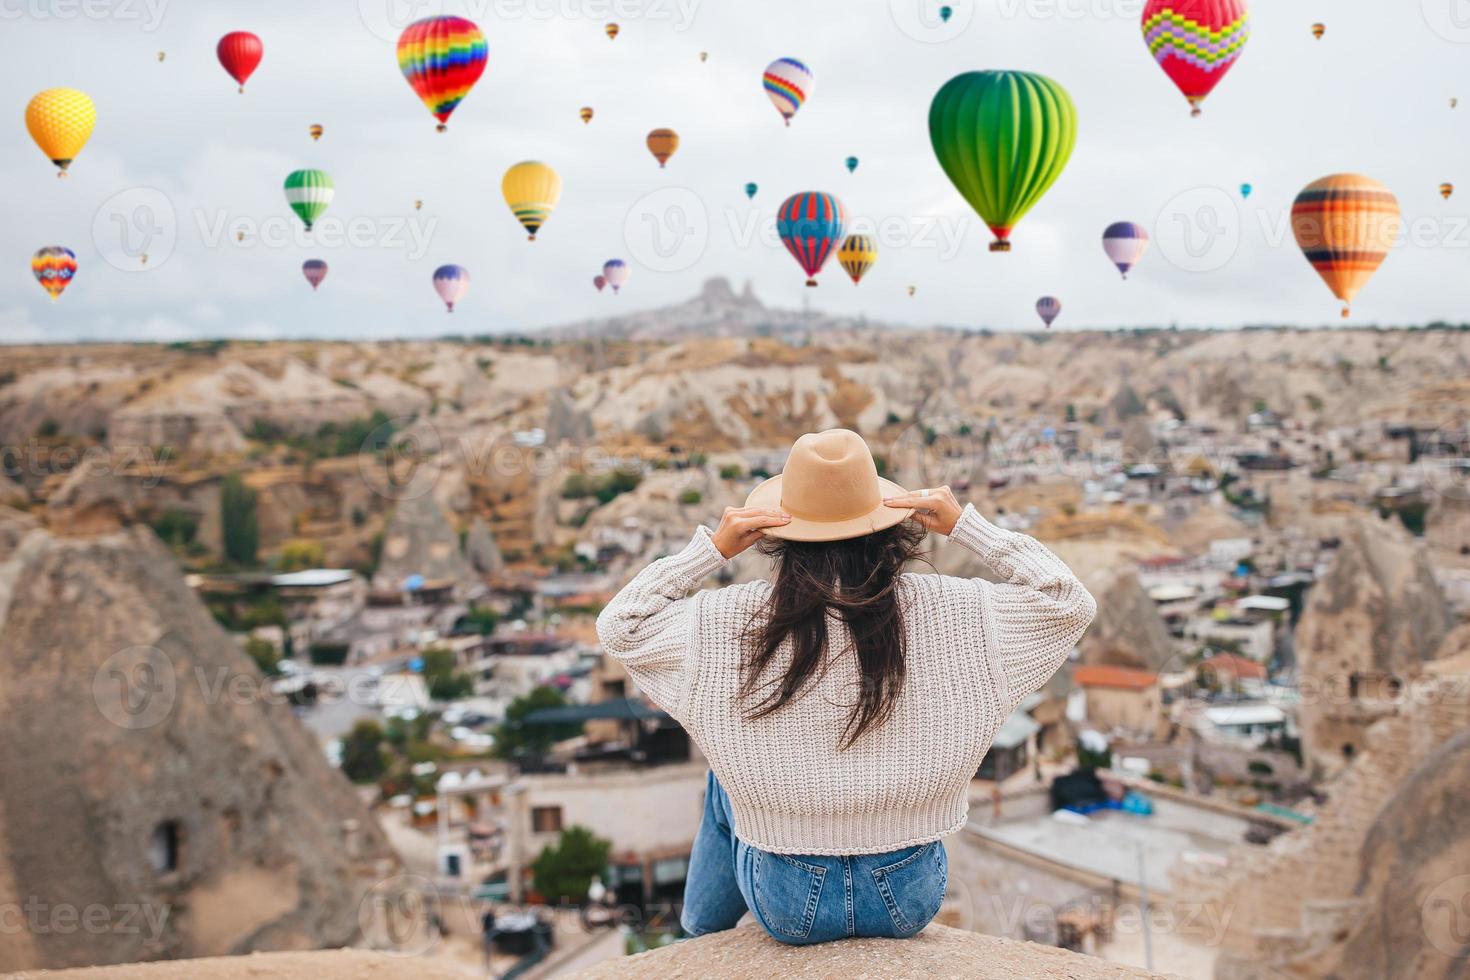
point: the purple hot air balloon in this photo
(1048, 308)
(811, 225)
(1125, 244)
(451, 282)
(315, 271)
(616, 271)
(600, 281)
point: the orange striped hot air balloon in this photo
(1318, 30)
(1446, 190)
(1345, 225)
(612, 31)
(586, 113)
(663, 143)
(316, 131)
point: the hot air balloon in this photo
(703, 56)
(1048, 308)
(54, 267)
(663, 143)
(612, 31)
(316, 131)
(1245, 191)
(1196, 41)
(309, 192)
(1125, 243)
(616, 272)
(531, 190)
(315, 271)
(442, 58)
(600, 281)
(451, 282)
(1345, 225)
(1318, 30)
(945, 13)
(811, 224)
(586, 113)
(789, 84)
(852, 164)
(857, 255)
(1446, 190)
(750, 190)
(912, 290)
(418, 204)
(60, 120)
(976, 123)
(239, 236)
(1454, 103)
(161, 56)
(240, 53)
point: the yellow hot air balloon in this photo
(586, 113)
(857, 255)
(612, 31)
(531, 191)
(1446, 190)
(60, 121)
(1318, 30)
(1345, 225)
(316, 131)
(663, 143)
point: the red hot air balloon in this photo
(240, 53)
(600, 281)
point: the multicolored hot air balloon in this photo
(60, 120)
(612, 31)
(1196, 42)
(1125, 243)
(531, 191)
(857, 255)
(315, 270)
(852, 164)
(442, 58)
(976, 123)
(586, 113)
(789, 84)
(750, 190)
(1245, 191)
(451, 282)
(1318, 30)
(616, 272)
(811, 224)
(663, 143)
(309, 192)
(600, 281)
(1048, 308)
(316, 131)
(54, 267)
(1446, 190)
(240, 53)
(1345, 225)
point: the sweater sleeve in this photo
(648, 625)
(1039, 611)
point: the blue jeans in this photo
(806, 898)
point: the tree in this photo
(239, 524)
(264, 653)
(299, 554)
(444, 682)
(514, 738)
(362, 753)
(562, 872)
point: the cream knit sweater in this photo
(975, 649)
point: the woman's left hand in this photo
(936, 509)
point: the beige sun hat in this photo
(831, 489)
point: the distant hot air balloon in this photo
(857, 255)
(309, 192)
(418, 204)
(852, 164)
(750, 190)
(1345, 225)
(616, 272)
(612, 31)
(239, 236)
(1446, 190)
(315, 271)
(1125, 243)
(912, 290)
(945, 13)
(316, 131)
(451, 282)
(531, 191)
(1196, 42)
(789, 84)
(54, 267)
(442, 58)
(1245, 191)
(600, 281)
(240, 53)
(161, 56)
(1318, 30)
(811, 224)
(1454, 103)
(1048, 308)
(586, 113)
(663, 144)
(703, 56)
(60, 120)
(976, 123)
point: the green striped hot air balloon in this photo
(309, 192)
(1003, 138)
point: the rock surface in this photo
(337, 964)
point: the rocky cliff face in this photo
(147, 775)
(1128, 630)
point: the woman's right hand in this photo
(936, 509)
(740, 527)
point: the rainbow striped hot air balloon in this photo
(1196, 42)
(315, 270)
(1345, 225)
(1125, 243)
(60, 120)
(615, 271)
(857, 255)
(309, 192)
(789, 84)
(442, 58)
(811, 224)
(531, 190)
(1048, 308)
(451, 282)
(54, 267)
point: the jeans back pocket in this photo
(786, 893)
(913, 887)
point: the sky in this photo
(180, 163)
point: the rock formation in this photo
(419, 540)
(481, 550)
(1128, 630)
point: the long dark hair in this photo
(856, 581)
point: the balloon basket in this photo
(441, 128)
(811, 283)
(1000, 245)
(242, 90)
(1346, 312)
